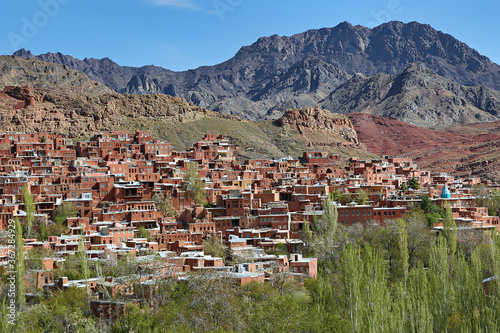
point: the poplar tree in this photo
(82, 256)
(19, 264)
(450, 230)
(351, 280)
(325, 228)
(442, 289)
(29, 208)
(403, 246)
(418, 301)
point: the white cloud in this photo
(185, 4)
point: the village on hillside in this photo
(122, 195)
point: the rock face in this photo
(15, 71)
(276, 72)
(461, 150)
(417, 96)
(321, 128)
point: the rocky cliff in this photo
(321, 128)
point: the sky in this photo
(185, 34)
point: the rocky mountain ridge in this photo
(417, 96)
(67, 102)
(278, 72)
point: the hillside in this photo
(278, 72)
(417, 96)
(460, 150)
(61, 105)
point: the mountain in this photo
(464, 151)
(279, 72)
(67, 102)
(416, 96)
(15, 71)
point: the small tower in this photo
(445, 193)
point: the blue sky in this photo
(185, 34)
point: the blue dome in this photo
(445, 193)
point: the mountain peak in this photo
(277, 72)
(23, 54)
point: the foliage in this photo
(63, 211)
(336, 196)
(164, 204)
(427, 205)
(19, 265)
(325, 232)
(42, 233)
(413, 183)
(55, 229)
(487, 197)
(403, 187)
(361, 197)
(398, 278)
(193, 185)
(307, 238)
(143, 233)
(30, 209)
(450, 231)
(214, 247)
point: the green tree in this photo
(325, 232)
(307, 238)
(42, 233)
(403, 247)
(432, 219)
(362, 197)
(427, 205)
(164, 204)
(63, 211)
(487, 197)
(450, 230)
(30, 209)
(19, 263)
(143, 233)
(480, 193)
(413, 183)
(441, 285)
(82, 256)
(193, 185)
(403, 187)
(54, 229)
(419, 238)
(336, 196)
(214, 246)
